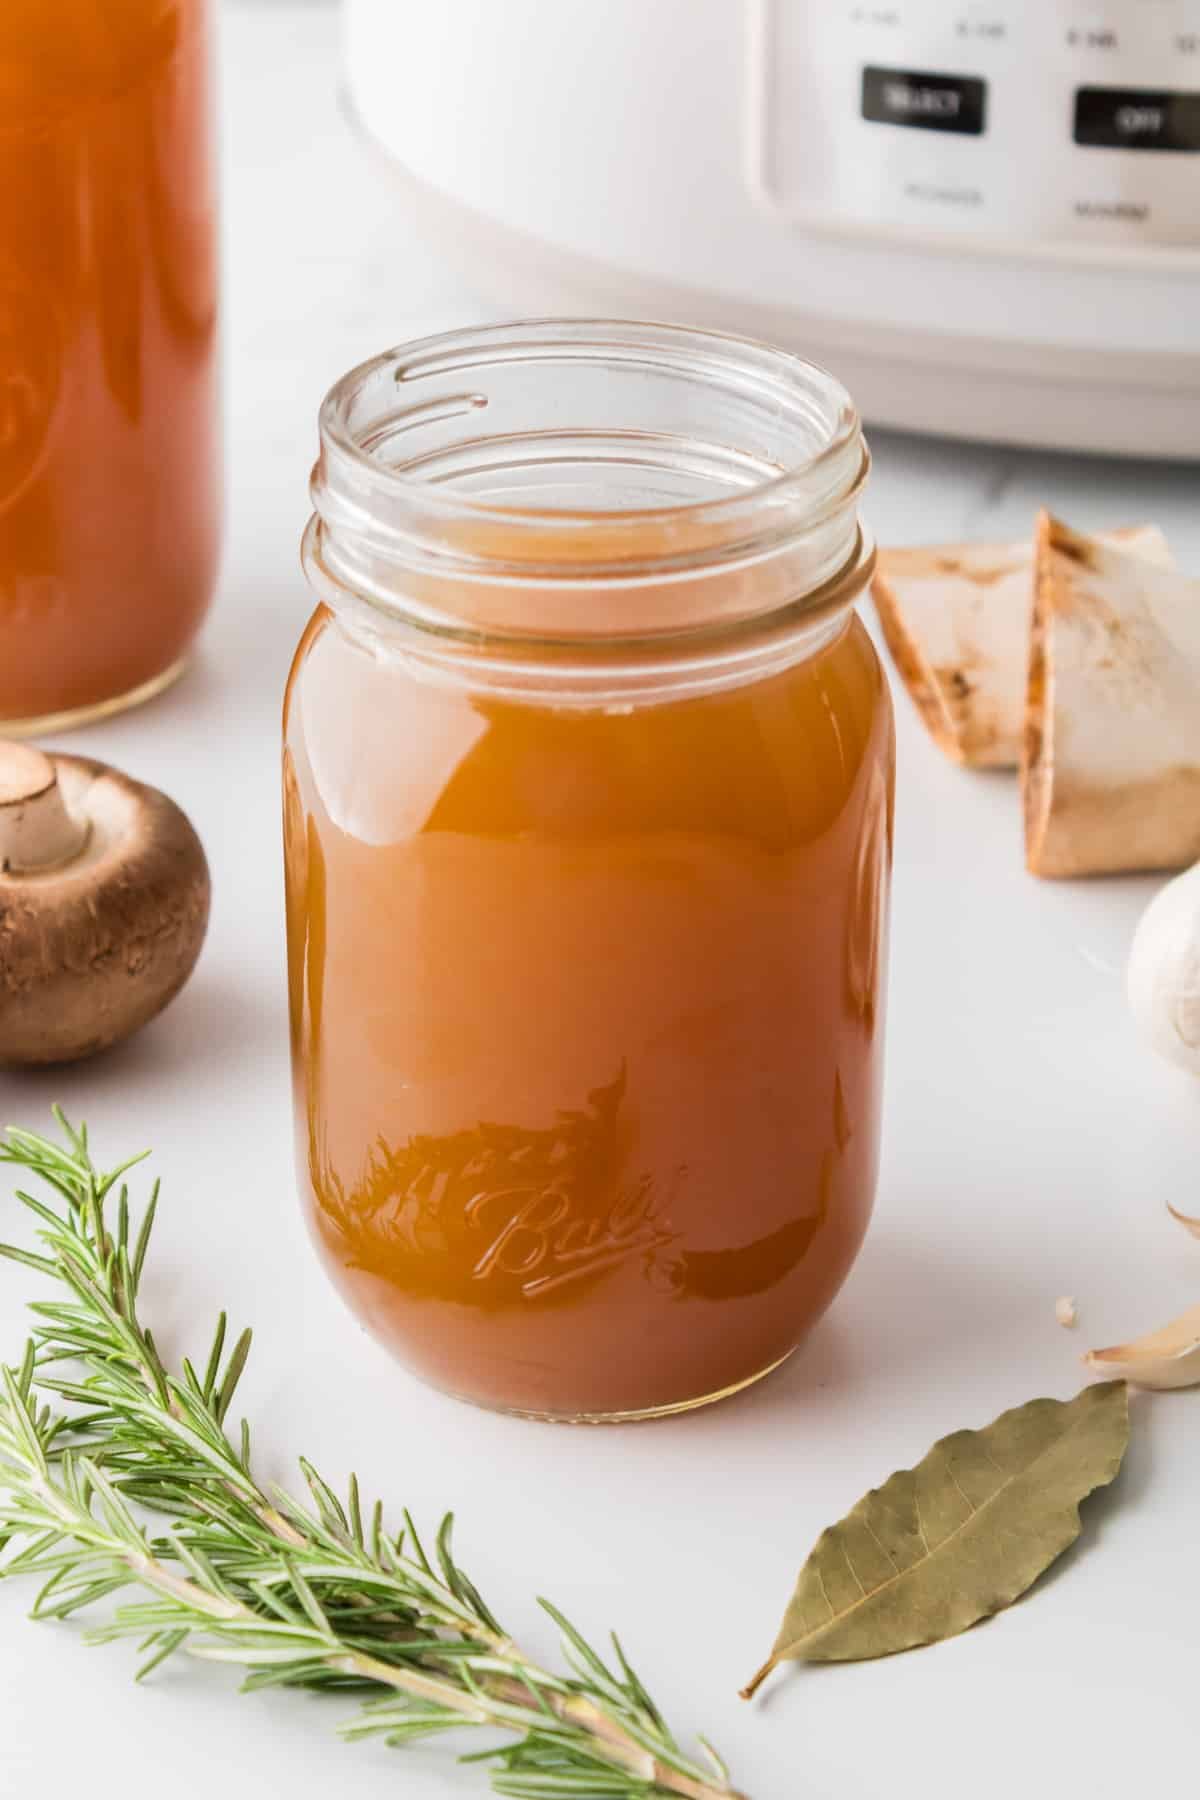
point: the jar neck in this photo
(584, 499)
(597, 671)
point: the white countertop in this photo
(1030, 1146)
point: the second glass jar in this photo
(588, 799)
(109, 470)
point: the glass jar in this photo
(108, 384)
(588, 798)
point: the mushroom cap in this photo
(93, 948)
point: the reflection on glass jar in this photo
(588, 777)
(108, 436)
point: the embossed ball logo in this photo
(30, 367)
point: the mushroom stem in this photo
(36, 830)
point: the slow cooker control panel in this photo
(1047, 123)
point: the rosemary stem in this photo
(616, 1746)
(609, 1743)
(310, 1593)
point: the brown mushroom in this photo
(104, 896)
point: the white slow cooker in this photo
(985, 216)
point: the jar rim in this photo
(722, 478)
(704, 353)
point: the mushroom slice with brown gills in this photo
(1110, 771)
(956, 620)
(104, 898)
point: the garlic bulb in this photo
(1164, 972)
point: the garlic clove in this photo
(1168, 1358)
(1185, 1219)
(1066, 1312)
(1163, 979)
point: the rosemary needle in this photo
(118, 1474)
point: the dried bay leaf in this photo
(941, 1546)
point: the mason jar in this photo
(109, 477)
(588, 798)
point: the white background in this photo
(1030, 1147)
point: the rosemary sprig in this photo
(314, 1593)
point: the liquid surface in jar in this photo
(587, 1018)
(108, 454)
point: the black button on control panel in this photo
(926, 102)
(1137, 119)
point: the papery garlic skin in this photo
(1163, 978)
(1188, 1222)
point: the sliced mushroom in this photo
(104, 898)
(956, 619)
(1110, 770)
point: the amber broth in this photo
(586, 1014)
(108, 476)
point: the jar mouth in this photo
(554, 456)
